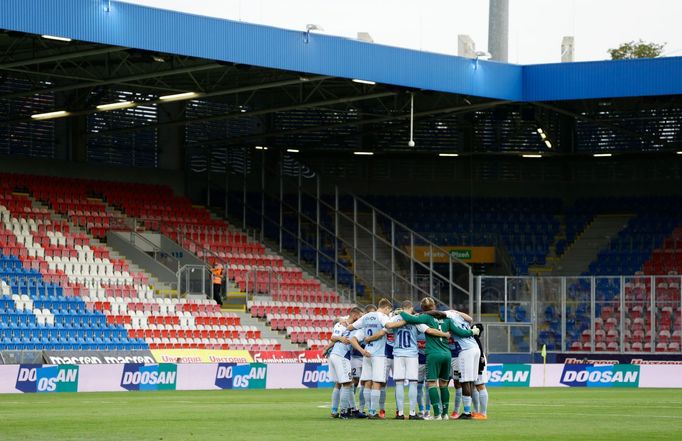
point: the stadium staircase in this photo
(586, 247)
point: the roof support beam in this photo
(235, 115)
(95, 83)
(61, 57)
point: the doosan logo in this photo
(623, 375)
(241, 376)
(149, 377)
(509, 375)
(39, 378)
(316, 375)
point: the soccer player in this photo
(339, 367)
(479, 395)
(438, 359)
(468, 358)
(455, 349)
(356, 370)
(389, 370)
(422, 398)
(356, 367)
(374, 363)
(406, 363)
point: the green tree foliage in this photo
(636, 49)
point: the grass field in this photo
(514, 414)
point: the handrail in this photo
(134, 235)
(428, 241)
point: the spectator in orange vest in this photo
(217, 283)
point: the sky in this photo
(535, 31)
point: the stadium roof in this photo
(289, 88)
(134, 26)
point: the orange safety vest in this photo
(217, 276)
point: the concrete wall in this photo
(62, 168)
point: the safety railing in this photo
(343, 238)
(194, 280)
(155, 251)
(609, 314)
(503, 338)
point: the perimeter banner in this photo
(288, 357)
(97, 357)
(38, 378)
(185, 356)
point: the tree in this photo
(636, 49)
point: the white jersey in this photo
(464, 342)
(405, 339)
(371, 323)
(359, 335)
(341, 349)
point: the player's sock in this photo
(458, 399)
(474, 400)
(399, 397)
(444, 399)
(336, 396)
(435, 400)
(420, 396)
(427, 401)
(368, 397)
(412, 397)
(382, 399)
(467, 404)
(361, 398)
(347, 398)
(375, 397)
(483, 398)
(354, 390)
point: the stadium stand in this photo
(526, 227)
(173, 323)
(71, 282)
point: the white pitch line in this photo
(530, 405)
(606, 415)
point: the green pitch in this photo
(515, 414)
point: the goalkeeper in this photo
(438, 358)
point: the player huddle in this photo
(430, 348)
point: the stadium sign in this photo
(149, 377)
(443, 254)
(39, 378)
(463, 254)
(241, 376)
(509, 375)
(585, 375)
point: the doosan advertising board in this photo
(131, 377)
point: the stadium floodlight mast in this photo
(311, 27)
